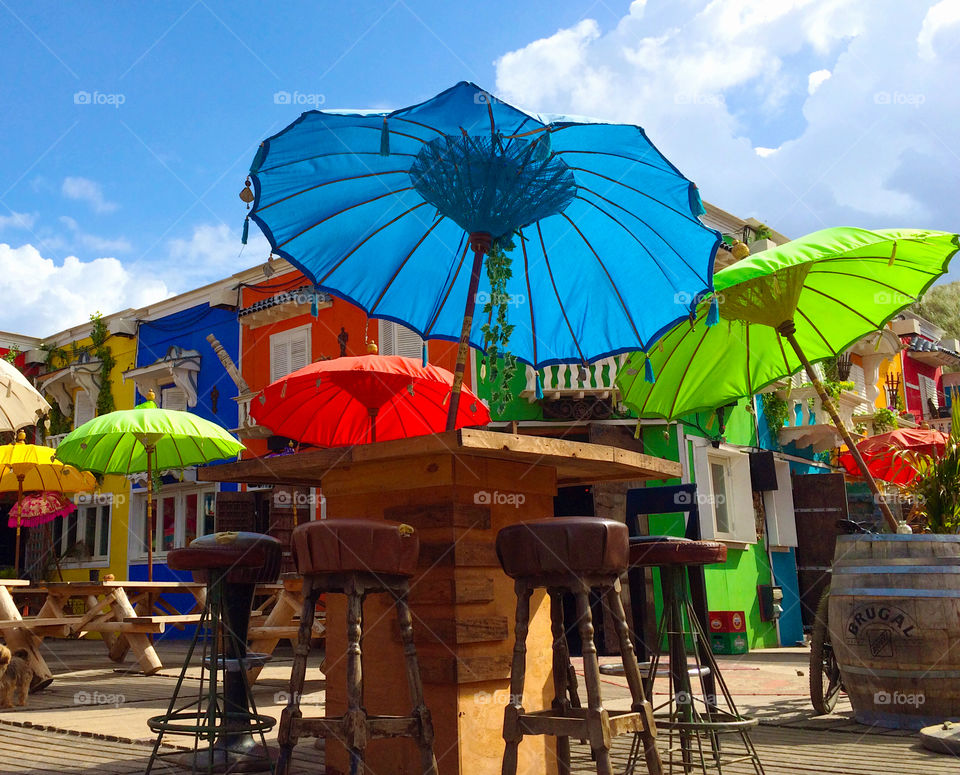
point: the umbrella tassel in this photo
(636, 432)
(384, 139)
(538, 389)
(713, 315)
(893, 254)
(648, 371)
(246, 231)
(314, 303)
(423, 355)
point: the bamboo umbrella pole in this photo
(481, 244)
(788, 330)
(16, 563)
(150, 531)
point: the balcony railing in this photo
(54, 441)
(572, 380)
(809, 425)
(247, 427)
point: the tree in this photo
(941, 306)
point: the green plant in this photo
(99, 334)
(54, 357)
(12, 353)
(496, 330)
(884, 420)
(935, 491)
(776, 411)
(57, 422)
(762, 231)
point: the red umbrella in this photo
(38, 508)
(356, 400)
(880, 453)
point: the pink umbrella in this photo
(40, 507)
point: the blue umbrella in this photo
(384, 208)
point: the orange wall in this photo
(255, 342)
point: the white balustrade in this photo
(574, 380)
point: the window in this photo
(179, 515)
(724, 494)
(83, 408)
(289, 351)
(399, 340)
(928, 395)
(778, 504)
(84, 536)
(173, 398)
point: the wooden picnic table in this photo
(127, 613)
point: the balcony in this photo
(809, 425)
(54, 441)
(247, 427)
(572, 391)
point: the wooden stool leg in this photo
(561, 675)
(298, 675)
(355, 719)
(598, 723)
(632, 671)
(511, 715)
(428, 762)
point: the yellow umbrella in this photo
(31, 467)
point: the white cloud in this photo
(89, 191)
(708, 80)
(940, 16)
(18, 220)
(214, 251)
(816, 79)
(43, 296)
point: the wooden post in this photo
(150, 531)
(481, 244)
(146, 655)
(788, 330)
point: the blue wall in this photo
(188, 329)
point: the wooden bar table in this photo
(458, 489)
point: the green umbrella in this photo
(143, 439)
(809, 299)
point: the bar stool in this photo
(356, 557)
(572, 554)
(697, 719)
(224, 712)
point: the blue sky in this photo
(128, 127)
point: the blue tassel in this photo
(423, 353)
(384, 140)
(538, 392)
(713, 316)
(246, 231)
(648, 371)
(315, 303)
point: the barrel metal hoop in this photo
(892, 592)
(896, 569)
(901, 673)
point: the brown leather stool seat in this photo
(563, 545)
(354, 545)
(661, 551)
(247, 558)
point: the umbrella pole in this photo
(16, 562)
(480, 242)
(373, 423)
(788, 330)
(150, 532)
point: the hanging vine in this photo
(99, 334)
(497, 331)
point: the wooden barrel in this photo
(895, 626)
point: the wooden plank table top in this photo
(575, 462)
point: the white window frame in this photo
(778, 505)
(284, 339)
(98, 505)
(138, 515)
(738, 496)
(399, 340)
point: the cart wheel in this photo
(825, 682)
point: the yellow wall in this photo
(124, 352)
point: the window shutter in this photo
(289, 351)
(279, 359)
(173, 398)
(928, 392)
(399, 340)
(299, 349)
(83, 408)
(856, 376)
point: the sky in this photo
(128, 127)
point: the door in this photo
(819, 500)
